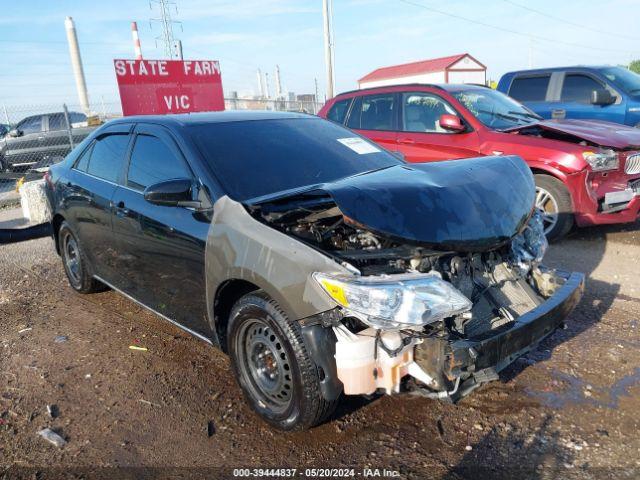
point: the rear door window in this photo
(530, 89)
(578, 87)
(338, 112)
(107, 157)
(373, 112)
(57, 122)
(152, 161)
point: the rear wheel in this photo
(554, 203)
(272, 365)
(75, 263)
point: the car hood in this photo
(464, 205)
(605, 134)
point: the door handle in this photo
(406, 141)
(121, 210)
(40, 138)
(558, 113)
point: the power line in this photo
(507, 30)
(578, 25)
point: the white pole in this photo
(328, 56)
(278, 83)
(136, 41)
(260, 84)
(179, 49)
(76, 64)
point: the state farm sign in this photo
(150, 87)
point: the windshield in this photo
(495, 109)
(623, 79)
(257, 158)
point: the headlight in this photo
(531, 244)
(395, 301)
(602, 160)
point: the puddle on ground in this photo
(571, 391)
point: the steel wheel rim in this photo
(72, 257)
(548, 208)
(265, 365)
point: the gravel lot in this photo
(569, 409)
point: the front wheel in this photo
(554, 203)
(272, 365)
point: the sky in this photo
(245, 35)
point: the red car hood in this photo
(605, 134)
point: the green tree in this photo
(634, 66)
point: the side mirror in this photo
(602, 97)
(15, 133)
(171, 193)
(451, 123)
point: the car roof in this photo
(448, 87)
(560, 69)
(184, 119)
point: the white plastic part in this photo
(419, 374)
(35, 206)
(361, 370)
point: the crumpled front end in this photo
(513, 304)
(421, 316)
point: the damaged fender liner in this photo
(498, 351)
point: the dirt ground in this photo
(567, 410)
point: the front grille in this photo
(633, 164)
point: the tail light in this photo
(48, 180)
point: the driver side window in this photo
(421, 113)
(31, 125)
(152, 161)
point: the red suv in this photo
(586, 172)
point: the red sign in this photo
(149, 87)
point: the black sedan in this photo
(321, 263)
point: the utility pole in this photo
(328, 44)
(76, 64)
(136, 41)
(166, 23)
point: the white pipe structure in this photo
(76, 64)
(278, 83)
(136, 40)
(328, 55)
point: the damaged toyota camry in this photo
(321, 263)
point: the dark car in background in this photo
(41, 140)
(319, 262)
(604, 93)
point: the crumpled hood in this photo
(463, 205)
(606, 134)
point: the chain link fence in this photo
(32, 137)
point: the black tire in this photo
(560, 200)
(79, 275)
(301, 404)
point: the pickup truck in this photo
(604, 93)
(41, 140)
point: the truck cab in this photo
(605, 93)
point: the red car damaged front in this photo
(586, 172)
(602, 169)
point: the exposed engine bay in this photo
(484, 293)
